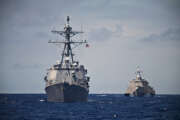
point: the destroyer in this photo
(139, 86)
(67, 81)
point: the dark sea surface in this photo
(98, 107)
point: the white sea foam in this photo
(41, 100)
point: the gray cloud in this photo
(20, 66)
(171, 34)
(104, 34)
(101, 34)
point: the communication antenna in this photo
(68, 33)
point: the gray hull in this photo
(141, 91)
(63, 92)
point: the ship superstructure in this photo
(67, 80)
(139, 86)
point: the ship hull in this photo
(63, 92)
(141, 91)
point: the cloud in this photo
(171, 34)
(104, 34)
(100, 34)
(20, 66)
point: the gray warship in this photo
(139, 86)
(67, 80)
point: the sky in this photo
(122, 34)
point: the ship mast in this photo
(138, 74)
(67, 34)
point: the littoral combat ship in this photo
(67, 81)
(139, 86)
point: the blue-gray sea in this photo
(98, 107)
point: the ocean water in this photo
(98, 107)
